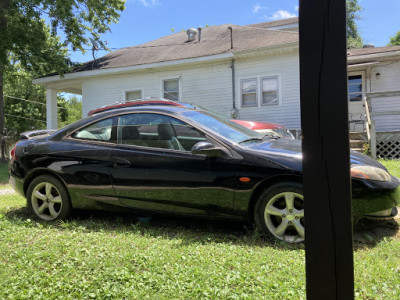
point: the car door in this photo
(155, 170)
(86, 164)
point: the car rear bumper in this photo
(17, 184)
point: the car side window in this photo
(99, 131)
(157, 131)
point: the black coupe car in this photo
(181, 161)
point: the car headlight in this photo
(369, 173)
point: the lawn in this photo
(111, 256)
(3, 173)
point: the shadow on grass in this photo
(368, 233)
(190, 230)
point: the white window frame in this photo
(259, 90)
(278, 90)
(125, 92)
(241, 92)
(179, 86)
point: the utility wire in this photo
(31, 101)
(138, 47)
(8, 115)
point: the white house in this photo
(251, 72)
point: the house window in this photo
(133, 95)
(355, 88)
(269, 91)
(171, 89)
(249, 92)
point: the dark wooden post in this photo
(324, 117)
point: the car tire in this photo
(48, 199)
(279, 212)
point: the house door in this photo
(356, 94)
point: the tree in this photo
(27, 40)
(25, 105)
(395, 40)
(354, 39)
(73, 113)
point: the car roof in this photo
(93, 118)
(155, 108)
(138, 102)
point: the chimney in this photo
(199, 30)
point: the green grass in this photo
(111, 256)
(108, 256)
(3, 173)
(114, 256)
(392, 165)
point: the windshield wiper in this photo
(251, 139)
(272, 136)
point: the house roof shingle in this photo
(277, 23)
(372, 50)
(214, 40)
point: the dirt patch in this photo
(7, 192)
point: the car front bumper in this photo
(376, 199)
(383, 215)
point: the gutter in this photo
(375, 56)
(118, 70)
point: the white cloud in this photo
(150, 3)
(296, 8)
(281, 14)
(258, 7)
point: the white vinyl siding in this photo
(286, 68)
(388, 80)
(208, 85)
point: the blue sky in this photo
(146, 20)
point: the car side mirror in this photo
(210, 150)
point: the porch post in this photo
(326, 154)
(51, 111)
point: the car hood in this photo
(289, 153)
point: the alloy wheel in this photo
(284, 217)
(46, 201)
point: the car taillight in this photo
(13, 153)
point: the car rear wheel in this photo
(48, 199)
(279, 212)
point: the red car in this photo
(266, 128)
(263, 127)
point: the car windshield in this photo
(220, 125)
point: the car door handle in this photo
(120, 162)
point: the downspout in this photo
(234, 111)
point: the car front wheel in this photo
(48, 199)
(279, 212)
